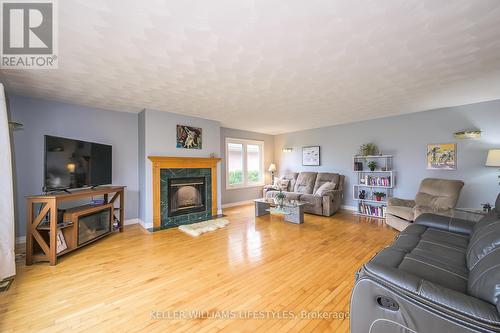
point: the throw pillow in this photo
(326, 187)
(280, 183)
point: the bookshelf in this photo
(382, 179)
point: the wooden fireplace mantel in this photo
(172, 162)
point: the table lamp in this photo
(493, 159)
(272, 169)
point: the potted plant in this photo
(379, 195)
(368, 149)
(372, 165)
(279, 198)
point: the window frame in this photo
(244, 143)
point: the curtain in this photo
(7, 237)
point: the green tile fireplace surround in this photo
(175, 221)
(168, 168)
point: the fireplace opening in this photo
(186, 195)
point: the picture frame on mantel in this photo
(311, 156)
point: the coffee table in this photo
(292, 212)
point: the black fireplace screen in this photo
(186, 195)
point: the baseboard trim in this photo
(239, 203)
(132, 221)
(347, 207)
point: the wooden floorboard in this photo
(263, 269)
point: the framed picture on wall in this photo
(188, 137)
(311, 155)
(442, 156)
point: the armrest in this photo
(439, 296)
(400, 202)
(469, 306)
(332, 201)
(446, 223)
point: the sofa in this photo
(441, 274)
(436, 196)
(304, 186)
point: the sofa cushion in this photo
(312, 199)
(439, 193)
(326, 177)
(442, 272)
(289, 195)
(403, 212)
(292, 177)
(293, 196)
(436, 256)
(445, 238)
(326, 187)
(419, 261)
(305, 182)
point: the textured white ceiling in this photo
(272, 66)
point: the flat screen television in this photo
(74, 164)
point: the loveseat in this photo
(441, 274)
(305, 187)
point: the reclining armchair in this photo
(436, 196)
(441, 274)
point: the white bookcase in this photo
(382, 179)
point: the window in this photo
(244, 163)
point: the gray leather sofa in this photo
(303, 187)
(440, 275)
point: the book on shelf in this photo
(375, 181)
(372, 210)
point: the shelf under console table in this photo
(51, 233)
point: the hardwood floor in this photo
(255, 267)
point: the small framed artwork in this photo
(311, 155)
(442, 156)
(188, 137)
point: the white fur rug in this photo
(199, 228)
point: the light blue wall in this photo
(160, 130)
(41, 117)
(406, 138)
(244, 194)
(142, 164)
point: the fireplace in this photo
(184, 190)
(186, 195)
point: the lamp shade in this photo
(272, 167)
(493, 158)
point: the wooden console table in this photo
(41, 238)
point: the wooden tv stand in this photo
(41, 236)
